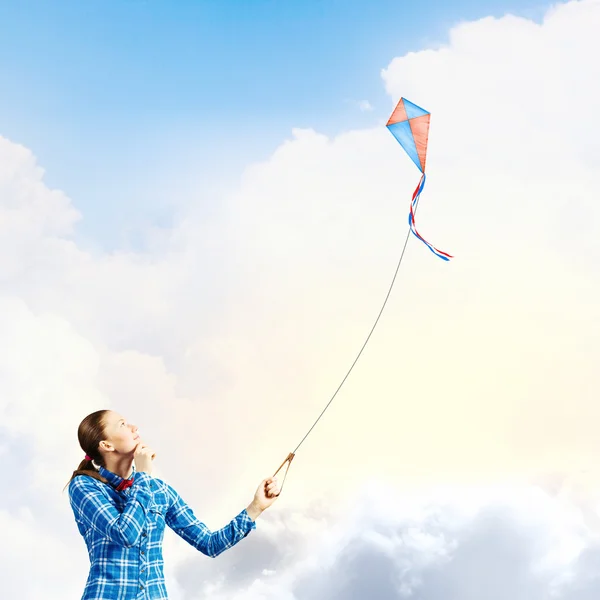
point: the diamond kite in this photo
(409, 124)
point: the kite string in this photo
(288, 460)
(370, 333)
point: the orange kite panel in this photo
(399, 114)
(420, 130)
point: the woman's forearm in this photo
(253, 511)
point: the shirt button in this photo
(143, 552)
(144, 534)
(141, 587)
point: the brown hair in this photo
(90, 433)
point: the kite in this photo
(409, 124)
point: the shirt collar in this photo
(113, 478)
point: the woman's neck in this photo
(121, 466)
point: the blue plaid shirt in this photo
(123, 532)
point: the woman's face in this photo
(121, 437)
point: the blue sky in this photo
(129, 105)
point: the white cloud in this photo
(505, 541)
(37, 563)
(243, 327)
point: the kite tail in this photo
(411, 221)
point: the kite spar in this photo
(409, 124)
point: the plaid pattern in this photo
(123, 532)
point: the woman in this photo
(121, 512)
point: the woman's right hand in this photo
(143, 456)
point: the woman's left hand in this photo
(267, 493)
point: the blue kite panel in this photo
(412, 110)
(403, 133)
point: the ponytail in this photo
(90, 433)
(86, 467)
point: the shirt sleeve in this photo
(181, 519)
(95, 509)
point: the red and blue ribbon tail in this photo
(411, 221)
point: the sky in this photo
(200, 214)
(129, 105)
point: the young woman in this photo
(121, 512)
